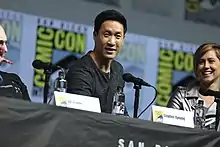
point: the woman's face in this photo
(208, 69)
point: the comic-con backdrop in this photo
(160, 62)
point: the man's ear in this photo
(123, 40)
(94, 34)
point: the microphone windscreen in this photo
(40, 65)
(127, 77)
(36, 64)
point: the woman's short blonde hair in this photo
(202, 49)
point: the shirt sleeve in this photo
(23, 87)
(176, 99)
(79, 81)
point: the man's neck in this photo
(103, 64)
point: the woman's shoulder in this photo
(189, 87)
(180, 89)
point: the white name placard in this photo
(76, 101)
(173, 116)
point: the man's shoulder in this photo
(82, 67)
(117, 66)
(117, 63)
(85, 62)
(10, 75)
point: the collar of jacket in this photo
(192, 94)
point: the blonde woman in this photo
(207, 72)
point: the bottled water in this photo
(199, 115)
(60, 83)
(118, 106)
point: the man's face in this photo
(109, 39)
(3, 46)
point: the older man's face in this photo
(3, 46)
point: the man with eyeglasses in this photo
(11, 85)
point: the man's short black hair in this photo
(109, 15)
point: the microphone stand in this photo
(217, 117)
(47, 73)
(136, 100)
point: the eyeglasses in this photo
(2, 42)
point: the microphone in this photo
(49, 68)
(127, 77)
(210, 93)
(38, 64)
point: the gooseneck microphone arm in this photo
(155, 96)
(138, 82)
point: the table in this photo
(25, 124)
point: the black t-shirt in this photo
(85, 78)
(11, 86)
